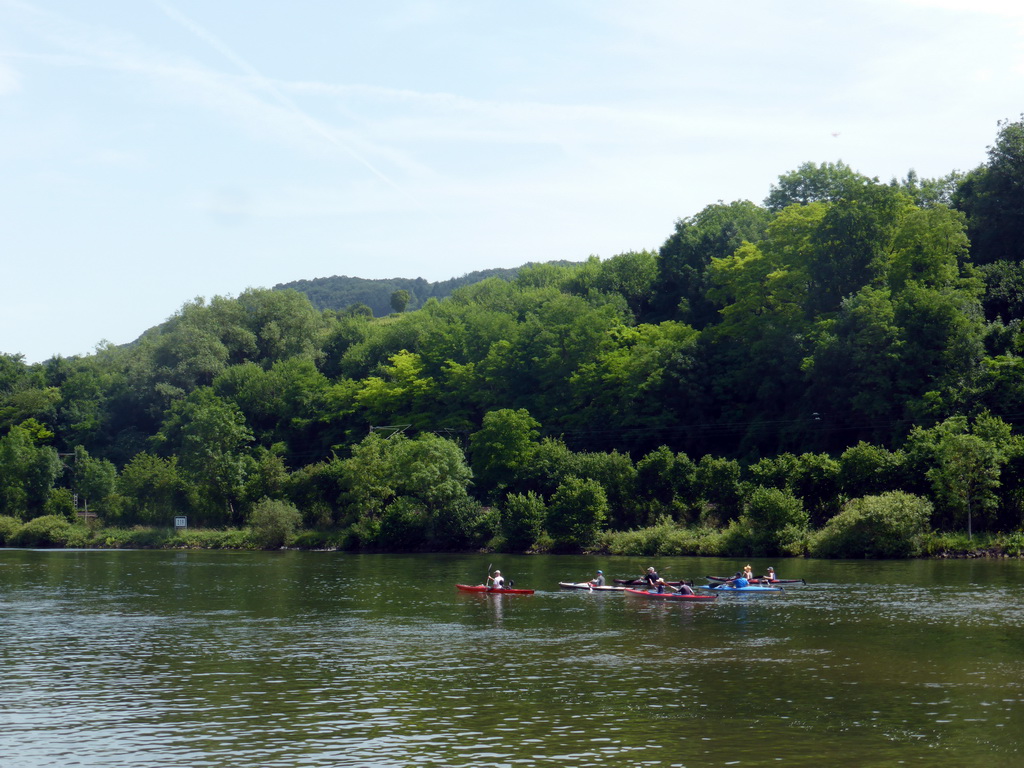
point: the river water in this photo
(116, 658)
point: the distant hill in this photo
(340, 292)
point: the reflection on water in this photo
(317, 659)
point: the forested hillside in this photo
(356, 295)
(835, 371)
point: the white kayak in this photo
(587, 586)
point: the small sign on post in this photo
(180, 523)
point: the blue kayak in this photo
(749, 588)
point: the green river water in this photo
(117, 658)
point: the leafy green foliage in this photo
(889, 525)
(27, 472)
(774, 522)
(8, 527)
(522, 521)
(992, 196)
(811, 183)
(842, 341)
(49, 531)
(576, 513)
(273, 523)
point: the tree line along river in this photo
(164, 658)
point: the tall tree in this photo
(810, 183)
(576, 514)
(28, 470)
(502, 448)
(400, 300)
(685, 258)
(212, 441)
(992, 196)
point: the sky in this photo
(157, 151)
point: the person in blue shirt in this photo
(739, 581)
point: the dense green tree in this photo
(775, 522)
(719, 484)
(853, 245)
(28, 470)
(1003, 298)
(269, 478)
(810, 183)
(399, 300)
(502, 448)
(551, 462)
(428, 477)
(61, 503)
(967, 476)
(522, 520)
(576, 513)
(152, 491)
(212, 441)
(14, 372)
(616, 474)
(992, 196)
(944, 348)
(685, 257)
(402, 394)
(38, 403)
(960, 462)
(283, 404)
(632, 387)
(930, 193)
(318, 489)
(657, 485)
(92, 479)
(869, 470)
(634, 276)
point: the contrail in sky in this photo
(315, 125)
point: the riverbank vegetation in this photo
(836, 372)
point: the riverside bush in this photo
(201, 538)
(1013, 544)
(892, 524)
(272, 523)
(50, 531)
(139, 537)
(662, 538)
(8, 527)
(327, 540)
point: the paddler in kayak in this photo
(770, 574)
(497, 580)
(654, 580)
(597, 581)
(739, 581)
(748, 572)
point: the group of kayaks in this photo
(716, 585)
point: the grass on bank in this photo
(663, 539)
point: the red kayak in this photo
(492, 590)
(670, 596)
